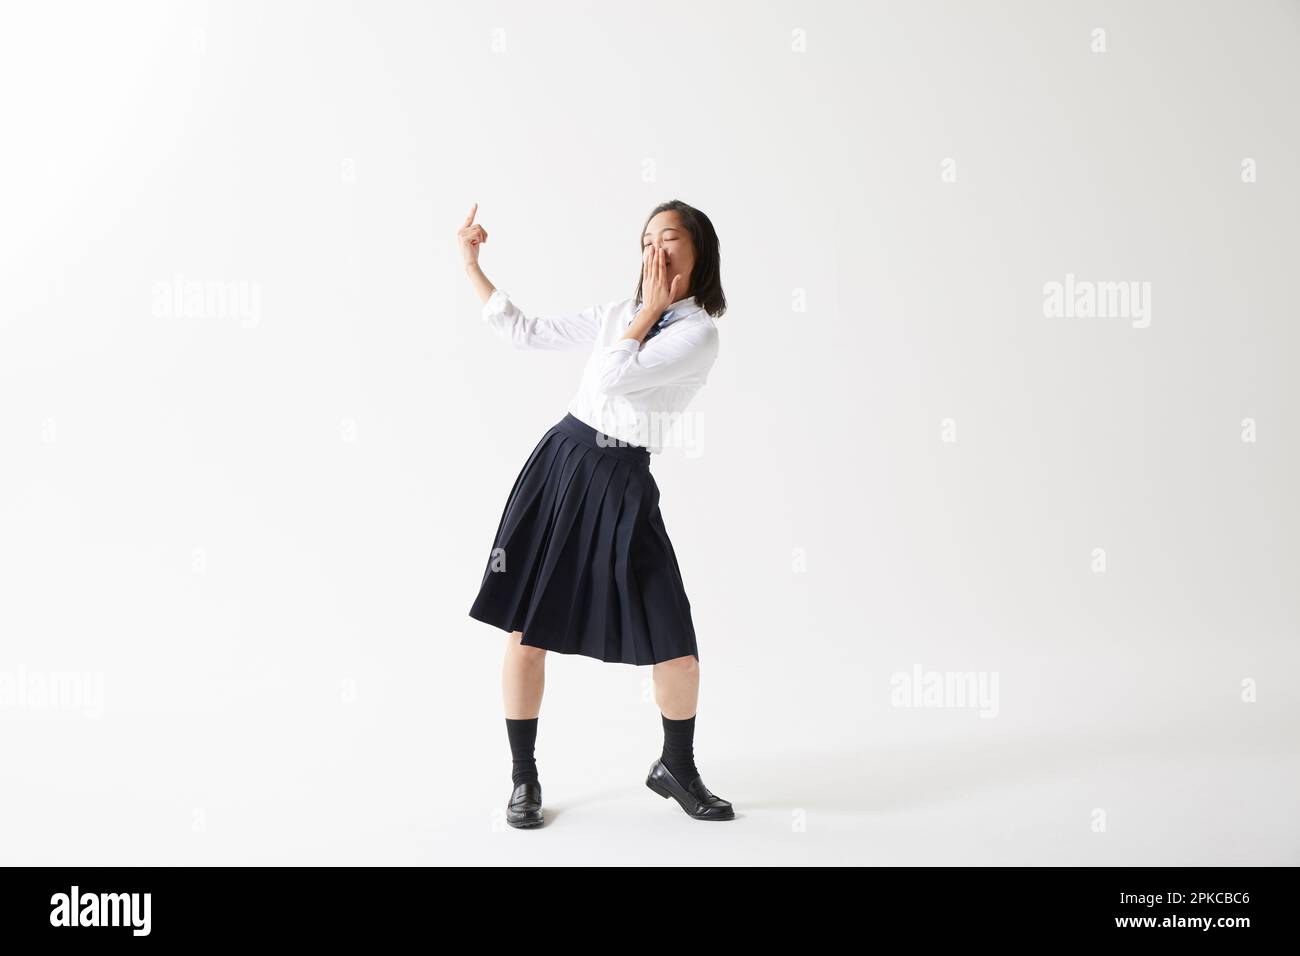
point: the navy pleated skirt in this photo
(582, 563)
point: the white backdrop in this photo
(256, 439)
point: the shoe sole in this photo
(665, 793)
(526, 825)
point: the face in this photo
(666, 231)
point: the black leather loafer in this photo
(525, 806)
(695, 798)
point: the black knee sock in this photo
(523, 737)
(679, 749)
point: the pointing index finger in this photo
(470, 218)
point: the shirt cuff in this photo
(496, 302)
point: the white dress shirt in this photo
(633, 391)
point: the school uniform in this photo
(581, 562)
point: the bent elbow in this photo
(613, 386)
(619, 359)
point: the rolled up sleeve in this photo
(571, 330)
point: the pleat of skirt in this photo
(581, 562)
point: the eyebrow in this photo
(664, 229)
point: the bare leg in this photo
(523, 678)
(677, 686)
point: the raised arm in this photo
(470, 236)
(571, 330)
(568, 331)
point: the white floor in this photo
(1197, 797)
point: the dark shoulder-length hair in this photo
(706, 276)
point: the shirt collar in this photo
(684, 307)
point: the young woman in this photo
(582, 562)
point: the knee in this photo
(524, 651)
(681, 666)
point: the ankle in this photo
(683, 769)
